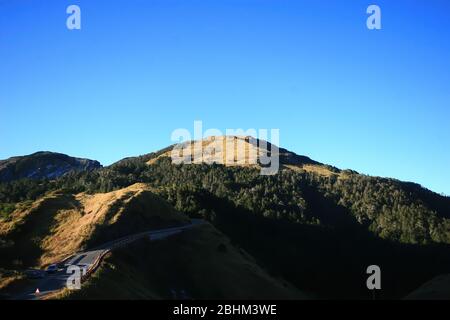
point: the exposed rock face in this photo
(40, 165)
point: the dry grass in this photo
(74, 226)
(312, 168)
(19, 216)
(61, 225)
(321, 170)
(6, 281)
(226, 150)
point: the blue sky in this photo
(377, 101)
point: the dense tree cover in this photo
(22, 190)
(394, 210)
(318, 232)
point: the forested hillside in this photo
(318, 231)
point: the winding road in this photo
(87, 260)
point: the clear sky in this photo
(377, 101)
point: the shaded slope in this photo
(199, 263)
(40, 165)
(314, 225)
(435, 289)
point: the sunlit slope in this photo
(239, 151)
(59, 224)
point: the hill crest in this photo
(43, 165)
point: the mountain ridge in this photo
(43, 164)
(315, 226)
(288, 160)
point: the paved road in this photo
(58, 280)
(85, 258)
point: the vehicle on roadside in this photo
(53, 268)
(34, 274)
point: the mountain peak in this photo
(43, 164)
(235, 150)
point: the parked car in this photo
(53, 268)
(34, 274)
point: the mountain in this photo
(40, 165)
(312, 226)
(234, 151)
(59, 224)
(200, 262)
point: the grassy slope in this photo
(199, 263)
(59, 225)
